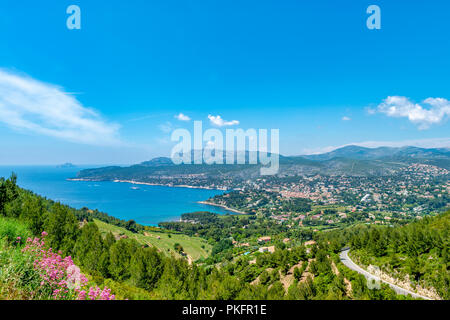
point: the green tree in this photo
(120, 256)
(89, 249)
(8, 191)
(131, 226)
(178, 248)
(297, 273)
(62, 228)
(146, 268)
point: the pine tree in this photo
(146, 268)
(89, 248)
(8, 191)
(62, 228)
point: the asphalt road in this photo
(345, 259)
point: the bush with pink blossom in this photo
(61, 275)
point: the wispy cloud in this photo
(431, 111)
(182, 117)
(218, 121)
(147, 116)
(30, 105)
(421, 143)
(345, 118)
(166, 127)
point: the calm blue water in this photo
(146, 205)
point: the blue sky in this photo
(309, 68)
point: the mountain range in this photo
(362, 153)
(349, 160)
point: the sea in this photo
(147, 205)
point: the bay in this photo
(147, 205)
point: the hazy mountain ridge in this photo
(350, 160)
(363, 153)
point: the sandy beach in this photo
(222, 206)
(149, 184)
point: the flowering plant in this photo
(61, 275)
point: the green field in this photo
(194, 247)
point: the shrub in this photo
(61, 275)
(18, 278)
(13, 231)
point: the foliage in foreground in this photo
(134, 271)
(418, 251)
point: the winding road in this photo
(345, 259)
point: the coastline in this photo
(177, 218)
(221, 206)
(165, 185)
(147, 184)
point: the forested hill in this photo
(351, 160)
(417, 253)
(128, 269)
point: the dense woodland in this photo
(134, 271)
(215, 228)
(419, 250)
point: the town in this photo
(333, 200)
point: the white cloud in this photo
(421, 143)
(345, 118)
(182, 117)
(29, 105)
(218, 121)
(371, 111)
(431, 111)
(166, 127)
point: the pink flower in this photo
(82, 295)
(62, 275)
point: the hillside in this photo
(362, 153)
(30, 270)
(347, 161)
(414, 256)
(194, 247)
(124, 268)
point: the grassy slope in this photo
(18, 279)
(192, 245)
